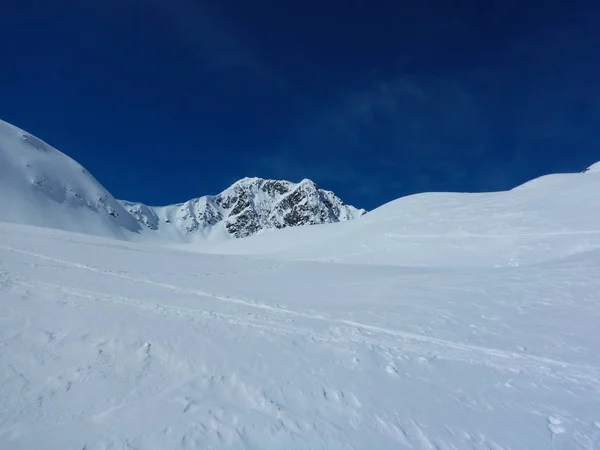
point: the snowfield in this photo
(439, 321)
(114, 345)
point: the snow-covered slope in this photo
(114, 345)
(41, 186)
(552, 216)
(593, 168)
(247, 207)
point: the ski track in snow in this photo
(483, 355)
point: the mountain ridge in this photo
(249, 206)
(44, 187)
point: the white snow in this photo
(438, 321)
(41, 186)
(113, 345)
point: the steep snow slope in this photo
(552, 216)
(248, 207)
(41, 186)
(112, 345)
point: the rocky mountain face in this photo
(247, 207)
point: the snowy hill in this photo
(41, 186)
(549, 217)
(248, 207)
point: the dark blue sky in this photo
(164, 100)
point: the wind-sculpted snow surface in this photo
(113, 345)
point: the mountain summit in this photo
(249, 206)
(41, 186)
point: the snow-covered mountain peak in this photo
(247, 207)
(257, 204)
(41, 186)
(267, 186)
